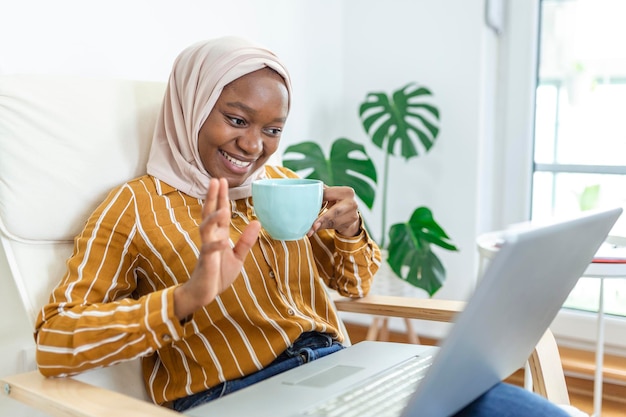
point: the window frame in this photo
(518, 59)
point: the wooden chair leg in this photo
(545, 366)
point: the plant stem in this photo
(384, 211)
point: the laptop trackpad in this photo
(327, 376)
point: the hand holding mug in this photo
(341, 212)
(289, 208)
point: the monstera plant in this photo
(403, 124)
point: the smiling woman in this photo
(173, 266)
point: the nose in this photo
(251, 142)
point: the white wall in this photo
(336, 51)
(438, 44)
(139, 39)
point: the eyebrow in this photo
(250, 110)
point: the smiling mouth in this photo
(236, 162)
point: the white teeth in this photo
(234, 161)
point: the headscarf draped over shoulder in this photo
(198, 76)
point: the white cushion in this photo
(64, 143)
(87, 134)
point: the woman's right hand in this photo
(218, 264)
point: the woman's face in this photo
(244, 128)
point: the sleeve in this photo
(92, 319)
(346, 264)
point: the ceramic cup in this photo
(287, 207)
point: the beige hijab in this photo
(198, 76)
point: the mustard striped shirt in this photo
(116, 301)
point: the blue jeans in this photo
(308, 347)
(503, 400)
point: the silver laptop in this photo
(519, 295)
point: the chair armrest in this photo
(67, 397)
(545, 362)
(547, 370)
(403, 307)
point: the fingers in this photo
(247, 240)
(214, 229)
(210, 202)
(341, 212)
(216, 197)
(222, 197)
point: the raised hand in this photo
(218, 264)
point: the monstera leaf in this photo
(403, 117)
(348, 164)
(410, 254)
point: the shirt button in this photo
(290, 312)
(167, 338)
(233, 216)
(272, 275)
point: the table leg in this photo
(372, 331)
(379, 330)
(413, 337)
(597, 385)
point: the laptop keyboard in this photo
(383, 394)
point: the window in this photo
(580, 123)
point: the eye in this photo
(236, 121)
(274, 131)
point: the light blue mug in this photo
(287, 207)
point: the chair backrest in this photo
(64, 143)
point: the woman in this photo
(173, 267)
(153, 273)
